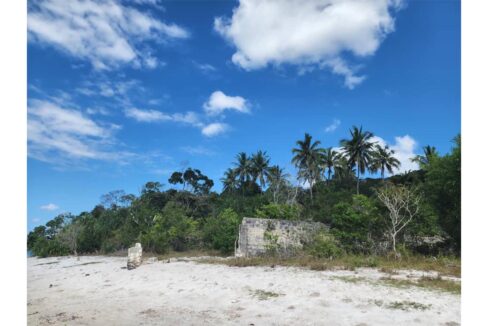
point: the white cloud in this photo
(404, 148)
(197, 150)
(214, 129)
(190, 118)
(49, 207)
(146, 115)
(55, 132)
(218, 102)
(333, 126)
(308, 33)
(106, 33)
(205, 67)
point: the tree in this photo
(277, 179)
(221, 231)
(403, 206)
(243, 167)
(358, 150)
(383, 160)
(70, 235)
(229, 180)
(330, 162)
(259, 167)
(199, 183)
(430, 152)
(443, 190)
(308, 157)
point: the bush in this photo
(221, 231)
(279, 211)
(324, 245)
(172, 228)
(355, 224)
(47, 248)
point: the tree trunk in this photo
(357, 185)
(311, 193)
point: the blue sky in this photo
(125, 92)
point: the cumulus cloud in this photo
(333, 126)
(49, 207)
(214, 129)
(404, 148)
(56, 132)
(106, 33)
(218, 102)
(313, 33)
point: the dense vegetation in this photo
(367, 216)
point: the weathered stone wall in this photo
(259, 236)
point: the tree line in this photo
(416, 211)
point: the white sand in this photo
(62, 291)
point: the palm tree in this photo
(424, 160)
(307, 158)
(331, 161)
(383, 159)
(358, 150)
(230, 180)
(243, 167)
(343, 170)
(259, 167)
(277, 179)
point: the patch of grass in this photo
(436, 283)
(88, 263)
(53, 262)
(443, 265)
(408, 305)
(264, 295)
(180, 254)
(350, 279)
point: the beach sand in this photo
(96, 290)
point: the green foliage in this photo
(443, 189)
(355, 224)
(221, 231)
(279, 211)
(172, 229)
(324, 245)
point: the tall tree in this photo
(383, 160)
(229, 180)
(259, 167)
(330, 162)
(358, 150)
(277, 179)
(307, 158)
(430, 152)
(243, 167)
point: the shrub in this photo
(279, 211)
(221, 231)
(354, 224)
(324, 245)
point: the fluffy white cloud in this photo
(49, 207)
(404, 148)
(106, 33)
(219, 102)
(333, 126)
(55, 132)
(307, 33)
(214, 129)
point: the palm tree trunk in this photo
(357, 185)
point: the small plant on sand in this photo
(408, 305)
(264, 295)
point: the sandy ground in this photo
(100, 291)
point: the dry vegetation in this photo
(445, 266)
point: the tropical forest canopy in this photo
(365, 215)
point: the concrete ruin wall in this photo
(259, 236)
